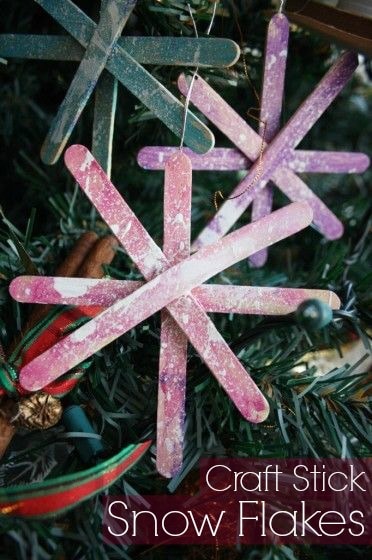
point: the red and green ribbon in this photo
(56, 496)
(56, 325)
(53, 497)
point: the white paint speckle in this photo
(272, 61)
(83, 332)
(67, 288)
(87, 161)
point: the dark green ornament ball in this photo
(314, 314)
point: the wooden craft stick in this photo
(112, 21)
(214, 298)
(164, 51)
(230, 159)
(165, 288)
(173, 342)
(316, 161)
(105, 101)
(134, 77)
(270, 109)
(104, 120)
(249, 142)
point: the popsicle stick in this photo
(270, 109)
(134, 77)
(40, 47)
(214, 298)
(218, 159)
(104, 120)
(148, 257)
(173, 342)
(276, 153)
(199, 329)
(231, 159)
(293, 187)
(112, 21)
(165, 51)
(249, 142)
(182, 51)
(315, 161)
(257, 300)
(166, 288)
(105, 101)
(159, 292)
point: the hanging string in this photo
(258, 174)
(218, 195)
(188, 97)
(281, 6)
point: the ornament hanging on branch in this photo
(175, 285)
(106, 58)
(271, 155)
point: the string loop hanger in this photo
(281, 6)
(219, 194)
(194, 75)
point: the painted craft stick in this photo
(230, 159)
(276, 154)
(164, 288)
(173, 342)
(160, 292)
(182, 51)
(104, 120)
(178, 288)
(270, 109)
(165, 51)
(105, 101)
(113, 18)
(214, 298)
(132, 75)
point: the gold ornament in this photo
(38, 411)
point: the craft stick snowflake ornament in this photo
(99, 47)
(279, 162)
(174, 284)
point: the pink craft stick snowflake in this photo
(174, 280)
(280, 160)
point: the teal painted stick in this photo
(104, 120)
(135, 78)
(104, 115)
(172, 51)
(112, 21)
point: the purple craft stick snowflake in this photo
(280, 160)
(174, 285)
